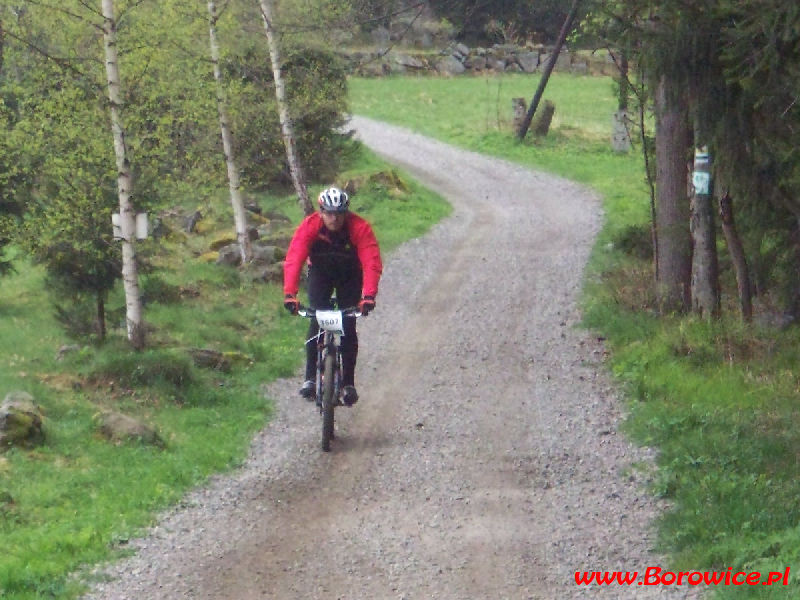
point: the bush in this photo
(155, 289)
(636, 241)
(148, 368)
(316, 84)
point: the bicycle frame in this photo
(329, 363)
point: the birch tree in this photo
(287, 126)
(133, 303)
(239, 214)
(705, 269)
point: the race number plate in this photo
(330, 320)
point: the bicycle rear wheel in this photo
(328, 400)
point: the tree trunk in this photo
(562, 35)
(287, 127)
(239, 214)
(794, 302)
(2, 44)
(672, 242)
(624, 83)
(650, 177)
(133, 303)
(738, 257)
(541, 126)
(101, 316)
(705, 270)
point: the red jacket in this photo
(312, 229)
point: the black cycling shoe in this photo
(308, 390)
(350, 395)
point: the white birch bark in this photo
(287, 127)
(133, 304)
(705, 270)
(239, 214)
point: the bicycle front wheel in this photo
(328, 400)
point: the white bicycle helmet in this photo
(333, 200)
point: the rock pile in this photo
(458, 59)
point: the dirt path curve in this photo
(483, 461)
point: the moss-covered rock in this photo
(21, 421)
(222, 240)
(119, 428)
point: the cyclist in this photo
(343, 257)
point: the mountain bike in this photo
(329, 363)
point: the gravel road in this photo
(483, 460)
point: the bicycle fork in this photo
(327, 346)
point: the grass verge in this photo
(718, 400)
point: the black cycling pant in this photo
(321, 286)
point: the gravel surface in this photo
(483, 460)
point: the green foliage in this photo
(67, 223)
(489, 22)
(317, 90)
(737, 63)
(635, 240)
(15, 183)
(147, 368)
(155, 288)
(57, 159)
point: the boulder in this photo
(389, 179)
(67, 349)
(266, 255)
(21, 421)
(476, 62)
(230, 255)
(450, 65)
(460, 51)
(564, 61)
(190, 223)
(210, 359)
(264, 274)
(528, 61)
(253, 207)
(119, 428)
(276, 216)
(221, 241)
(498, 64)
(410, 62)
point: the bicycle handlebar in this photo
(310, 313)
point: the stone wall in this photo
(458, 59)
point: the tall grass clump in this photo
(718, 400)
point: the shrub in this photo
(148, 368)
